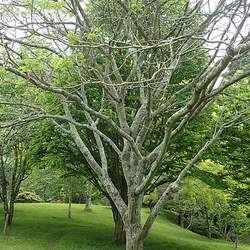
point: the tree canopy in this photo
(125, 81)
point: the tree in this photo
(209, 211)
(233, 149)
(239, 224)
(200, 206)
(13, 170)
(88, 194)
(129, 53)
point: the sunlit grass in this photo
(46, 226)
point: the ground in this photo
(46, 227)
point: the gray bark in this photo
(88, 197)
(133, 228)
(133, 243)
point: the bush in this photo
(150, 199)
(28, 197)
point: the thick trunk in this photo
(117, 176)
(88, 202)
(134, 239)
(133, 243)
(119, 232)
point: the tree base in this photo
(88, 210)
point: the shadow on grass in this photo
(46, 226)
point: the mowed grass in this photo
(46, 226)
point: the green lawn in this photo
(45, 226)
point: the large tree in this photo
(132, 54)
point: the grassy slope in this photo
(45, 226)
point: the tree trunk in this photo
(6, 224)
(11, 212)
(70, 197)
(209, 233)
(209, 227)
(88, 202)
(133, 243)
(181, 219)
(119, 232)
(134, 239)
(69, 208)
(8, 215)
(236, 241)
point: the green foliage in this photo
(239, 221)
(49, 150)
(94, 34)
(208, 210)
(150, 199)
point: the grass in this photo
(45, 226)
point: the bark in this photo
(116, 174)
(134, 239)
(112, 78)
(70, 198)
(133, 243)
(8, 215)
(11, 212)
(119, 232)
(6, 224)
(88, 201)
